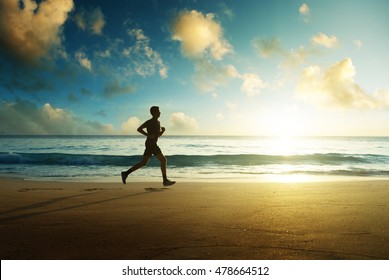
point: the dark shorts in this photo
(152, 148)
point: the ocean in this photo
(191, 158)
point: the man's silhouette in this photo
(153, 132)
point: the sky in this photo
(249, 67)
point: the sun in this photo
(287, 125)
(286, 128)
(284, 122)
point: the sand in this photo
(231, 220)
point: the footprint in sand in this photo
(156, 189)
(39, 189)
(95, 189)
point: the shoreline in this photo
(194, 220)
(266, 178)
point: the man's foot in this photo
(167, 183)
(124, 177)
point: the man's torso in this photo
(153, 128)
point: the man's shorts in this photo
(151, 148)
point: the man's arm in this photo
(141, 130)
(162, 131)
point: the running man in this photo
(153, 132)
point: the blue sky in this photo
(214, 67)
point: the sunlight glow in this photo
(292, 178)
(284, 145)
(287, 126)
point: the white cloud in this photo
(115, 88)
(92, 20)
(252, 84)
(296, 57)
(130, 126)
(33, 31)
(304, 9)
(293, 58)
(83, 60)
(268, 47)
(80, 21)
(24, 117)
(228, 12)
(200, 35)
(144, 59)
(272, 47)
(97, 21)
(181, 123)
(325, 40)
(335, 87)
(209, 76)
(201, 38)
(103, 54)
(305, 12)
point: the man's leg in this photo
(162, 159)
(140, 164)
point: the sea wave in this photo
(193, 160)
(65, 165)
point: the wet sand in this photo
(230, 220)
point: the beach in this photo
(199, 220)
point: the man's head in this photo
(154, 111)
